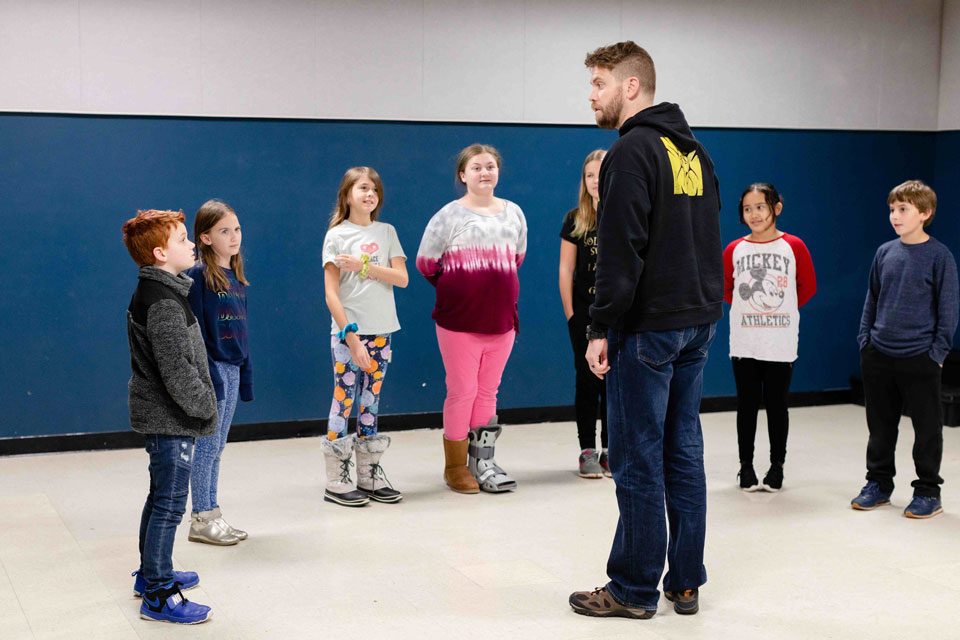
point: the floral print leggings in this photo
(347, 378)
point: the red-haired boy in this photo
(172, 401)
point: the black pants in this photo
(770, 382)
(887, 383)
(591, 391)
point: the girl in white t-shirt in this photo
(768, 276)
(362, 263)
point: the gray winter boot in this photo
(338, 455)
(484, 468)
(370, 476)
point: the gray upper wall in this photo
(865, 64)
(950, 66)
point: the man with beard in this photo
(659, 291)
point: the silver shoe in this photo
(204, 527)
(240, 533)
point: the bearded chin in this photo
(609, 117)
(604, 121)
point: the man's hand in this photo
(597, 357)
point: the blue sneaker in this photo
(870, 497)
(169, 605)
(923, 507)
(182, 579)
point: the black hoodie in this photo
(660, 261)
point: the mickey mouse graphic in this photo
(762, 293)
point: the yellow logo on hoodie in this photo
(687, 174)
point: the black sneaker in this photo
(773, 481)
(748, 479)
(684, 602)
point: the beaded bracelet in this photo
(365, 259)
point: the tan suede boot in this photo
(455, 472)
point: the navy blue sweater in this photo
(912, 300)
(223, 322)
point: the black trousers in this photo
(591, 391)
(888, 383)
(762, 380)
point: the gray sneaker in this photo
(590, 464)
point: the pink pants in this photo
(474, 363)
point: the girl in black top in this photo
(578, 265)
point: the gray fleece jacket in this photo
(170, 390)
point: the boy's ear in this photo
(926, 214)
(160, 254)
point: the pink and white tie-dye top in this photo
(472, 260)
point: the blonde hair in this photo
(586, 216)
(208, 215)
(342, 211)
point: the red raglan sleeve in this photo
(806, 277)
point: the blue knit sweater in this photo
(223, 321)
(912, 300)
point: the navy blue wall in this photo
(68, 183)
(946, 225)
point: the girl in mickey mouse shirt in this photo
(768, 276)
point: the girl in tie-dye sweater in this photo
(471, 250)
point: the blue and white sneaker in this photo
(168, 605)
(182, 579)
(923, 507)
(870, 497)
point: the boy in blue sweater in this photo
(906, 332)
(171, 402)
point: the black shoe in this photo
(352, 498)
(773, 481)
(684, 602)
(383, 494)
(748, 478)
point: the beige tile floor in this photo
(798, 564)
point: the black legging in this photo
(591, 391)
(768, 381)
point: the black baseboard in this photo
(400, 422)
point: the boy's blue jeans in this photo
(656, 456)
(171, 459)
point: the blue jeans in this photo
(656, 456)
(206, 459)
(171, 458)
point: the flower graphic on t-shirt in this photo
(762, 291)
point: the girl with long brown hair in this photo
(362, 263)
(578, 266)
(218, 298)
